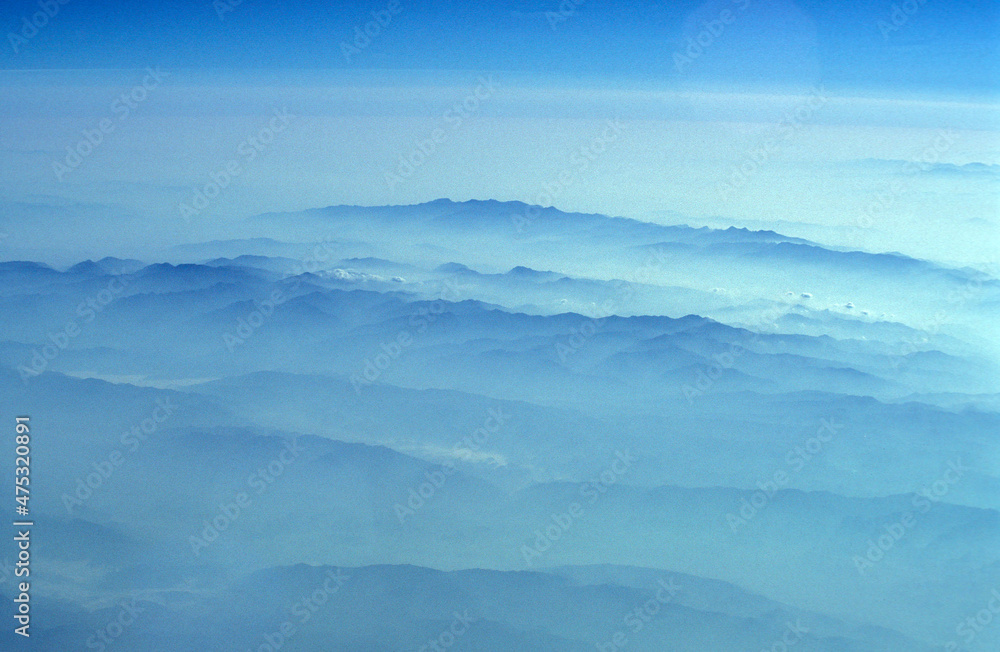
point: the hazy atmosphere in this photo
(552, 326)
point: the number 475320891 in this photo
(22, 465)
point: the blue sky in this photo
(944, 46)
(540, 88)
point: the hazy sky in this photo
(648, 110)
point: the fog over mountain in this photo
(447, 424)
(510, 326)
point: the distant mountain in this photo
(510, 218)
(525, 417)
(526, 272)
(120, 266)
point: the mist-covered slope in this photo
(527, 417)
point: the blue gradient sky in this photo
(887, 97)
(946, 46)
